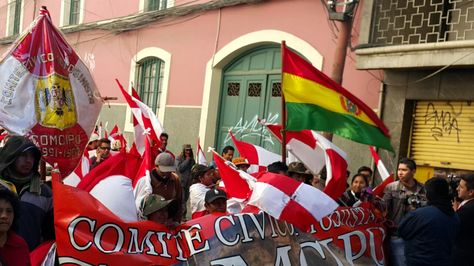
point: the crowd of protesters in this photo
(424, 227)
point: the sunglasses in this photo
(104, 148)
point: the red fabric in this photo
(378, 190)
(195, 215)
(246, 150)
(304, 136)
(15, 251)
(337, 185)
(38, 255)
(235, 185)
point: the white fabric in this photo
(382, 170)
(266, 157)
(197, 192)
(313, 159)
(201, 158)
(326, 145)
(142, 188)
(268, 198)
(314, 201)
(116, 193)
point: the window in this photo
(14, 17)
(74, 12)
(148, 81)
(151, 5)
(71, 12)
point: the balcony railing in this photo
(401, 22)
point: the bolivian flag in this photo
(314, 101)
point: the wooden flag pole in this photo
(283, 111)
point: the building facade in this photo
(202, 66)
(426, 50)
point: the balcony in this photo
(416, 33)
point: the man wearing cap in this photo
(165, 182)
(298, 171)
(155, 208)
(216, 201)
(241, 163)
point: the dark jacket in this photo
(464, 249)
(184, 171)
(36, 222)
(429, 236)
(347, 199)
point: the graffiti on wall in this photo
(443, 122)
(252, 128)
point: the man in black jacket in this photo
(464, 251)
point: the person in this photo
(400, 198)
(278, 168)
(164, 143)
(13, 248)
(358, 184)
(155, 208)
(216, 201)
(203, 179)
(429, 232)
(19, 162)
(102, 154)
(165, 182)
(241, 163)
(367, 172)
(298, 171)
(463, 252)
(227, 154)
(185, 163)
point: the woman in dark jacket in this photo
(185, 163)
(19, 162)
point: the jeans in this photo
(397, 251)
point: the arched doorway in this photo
(251, 90)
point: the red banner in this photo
(89, 234)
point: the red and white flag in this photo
(48, 94)
(383, 172)
(81, 170)
(302, 145)
(200, 156)
(257, 156)
(287, 199)
(110, 182)
(115, 135)
(236, 182)
(147, 122)
(142, 180)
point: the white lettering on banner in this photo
(372, 242)
(58, 145)
(220, 236)
(348, 217)
(8, 90)
(350, 257)
(100, 232)
(96, 238)
(232, 230)
(133, 247)
(195, 236)
(282, 257)
(72, 227)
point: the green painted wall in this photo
(182, 125)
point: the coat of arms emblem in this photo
(55, 106)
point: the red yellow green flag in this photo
(314, 101)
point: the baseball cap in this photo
(240, 161)
(165, 162)
(152, 203)
(213, 194)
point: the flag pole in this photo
(283, 108)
